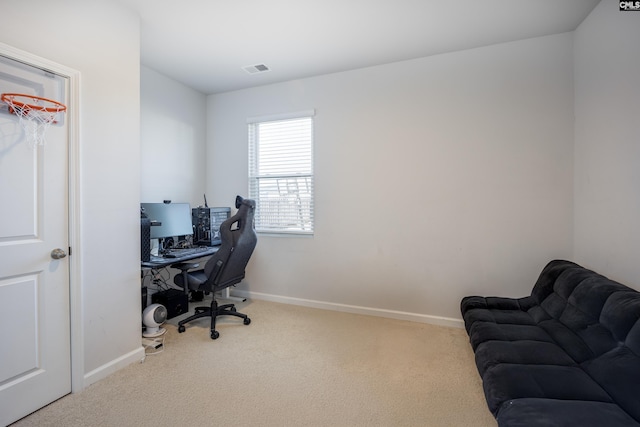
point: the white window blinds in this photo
(281, 174)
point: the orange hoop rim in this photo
(10, 99)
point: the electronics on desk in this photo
(145, 239)
(145, 234)
(162, 222)
(206, 224)
(174, 219)
(168, 220)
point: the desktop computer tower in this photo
(175, 301)
(206, 225)
(145, 239)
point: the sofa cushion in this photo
(568, 339)
(512, 381)
(496, 309)
(499, 316)
(618, 372)
(525, 352)
(535, 412)
(486, 331)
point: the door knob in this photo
(58, 253)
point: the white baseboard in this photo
(380, 312)
(107, 369)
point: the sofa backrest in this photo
(547, 279)
(595, 310)
(620, 315)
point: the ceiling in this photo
(206, 43)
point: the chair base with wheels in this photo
(213, 311)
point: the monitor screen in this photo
(175, 219)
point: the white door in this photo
(35, 360)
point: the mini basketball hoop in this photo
(35, 113)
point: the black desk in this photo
(157, 262)
(160, 262)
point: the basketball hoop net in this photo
(35, 114)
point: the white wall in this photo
(173, 140)
(81, 35)
(607, 168)
(436, 178)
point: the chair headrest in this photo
(247, 202)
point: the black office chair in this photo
(225, 268)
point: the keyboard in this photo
(180, 252)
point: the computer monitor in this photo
(175, 219)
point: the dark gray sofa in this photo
(567, 355)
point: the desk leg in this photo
(226, 294)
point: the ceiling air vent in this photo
(258, 68)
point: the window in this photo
(281, 173)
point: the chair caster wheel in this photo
(215, 335)
(181, 329)
(247, 321)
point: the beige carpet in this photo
(292, 366)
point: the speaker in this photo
(206, 224)
(145, 239)
(175, 301)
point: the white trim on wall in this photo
(281, 116)
(355, 309)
